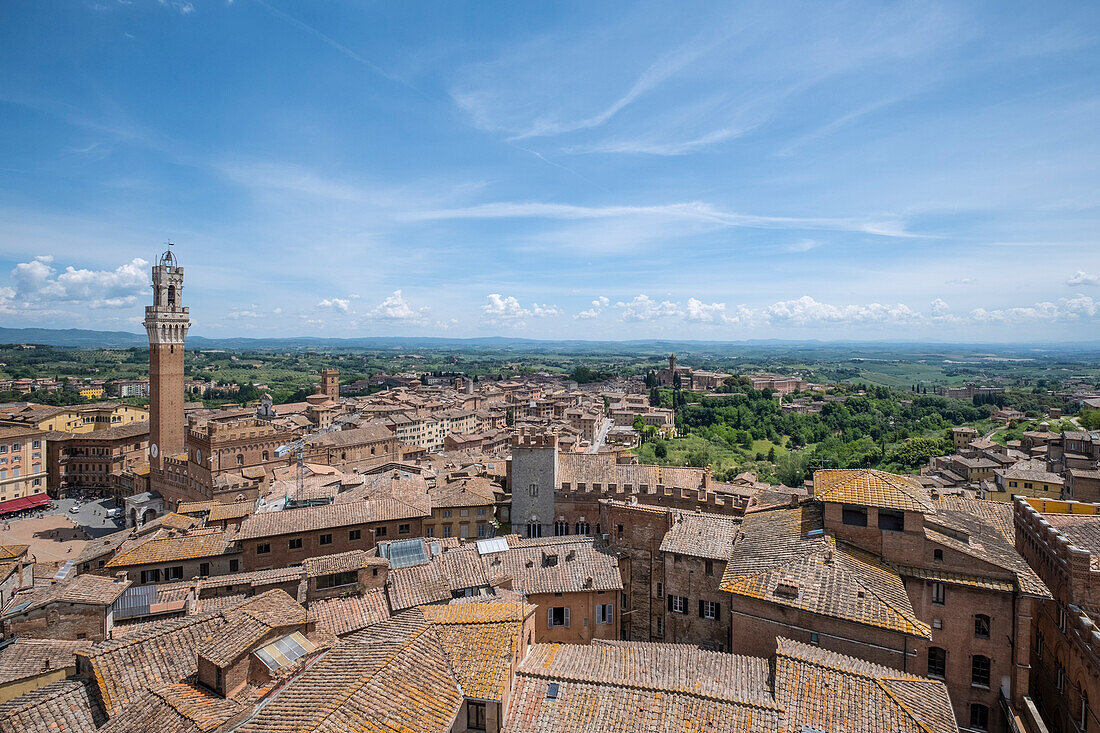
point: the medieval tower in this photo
(330, 383)
(166, 322)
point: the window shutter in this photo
(549, 618)
(717, 611)
(609, 616)
(567, 617)
(702, 611)
(670, 601)
(599, 613)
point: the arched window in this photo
(264, 455)
(979, 671)
(240, 459)
(937, 662)
(981, 626)
(1082, 707)
(171, 295)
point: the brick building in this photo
(871, 567)
(279, 539)
(1061, 541)
(362, 447)
(79, 608)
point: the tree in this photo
(650, 379)
(661, 450)
(654, 397)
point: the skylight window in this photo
(285, 651)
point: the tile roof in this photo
(416, 585)
(394, 676)
(345, 614)
(827, 691)
(1083, 530)
(174, 548)
(177, 708)
(338, 563)
(480, 641)
(700, 535)
(90, 589)
(32, 657)
(477, 491)
(870, 487)
(556, 565)
(657, 688)
(236, 510)
(13, 552)
(166, 652)
(309, 519)
(65, 706)
(776, 560)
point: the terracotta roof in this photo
(827, 691)
(65, 706)
(346, 614)
(478, 491)
(338, 563)
(700, 535)
(169, 549)
(309, 519)
(236, 510)
(480, 642)
(869, 487)
(556, 565)
(779, 561)
(32, 657)
(90, 589)
(416, 585)
(187, 507)
(13, 552)
(1083, 530)
(166, 652)
(177, 708)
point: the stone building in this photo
(1061, 541)
(95, 461)
(80, 608)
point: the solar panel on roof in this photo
(287, 650)
(552, 691)
(65, 570)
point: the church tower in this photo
(166, 322)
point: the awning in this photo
(24, 502)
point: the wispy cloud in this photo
(1083, 278)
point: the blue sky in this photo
(556, 170)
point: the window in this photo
(533, 489)
(481, 511)
(708, 567)
(150, 576)
(709, 609)
(240, 460)
(403, 529)
(475, 715)
(354, 535)
(1060, 679)
(534, 529)
(939, 593)
(891, 520)
(326, 539)
(204, 569)
(937, 662)
(660, 590)
(446, 513)
(294, 543)
(429, 531)
(605, 613)
(337, 579)
(36, 444)
(174, 573)
(380, 532)
(677, 604)
(855, 516)
(481, 530)
(979, 717)
(561, 529)
(660, 626)
(263, 548)
(234, 565)
(815, 638)
(1039, 644)
(582, 528)
(937, 554)
(981, 626)
(557, 616)
(1061, 619)
(979, 671)
(265, 456)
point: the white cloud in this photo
(802, 245)
(1083, 278)
(807, 311)
(249, 312)
(340, 304)
(506, 310)
(38, 283)
(597, 307)
(183, 7)
(643, 308)
(396, 308)
(939, 308)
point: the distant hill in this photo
(84, 338)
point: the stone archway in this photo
(133, 517)
(148, 516)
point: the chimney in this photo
(121, 576)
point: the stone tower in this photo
(534, 478)
(166, 322)
(330, 383)
(672, 363)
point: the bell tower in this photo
(166, 322)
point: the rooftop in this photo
(869, 487)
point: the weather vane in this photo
(169, 242)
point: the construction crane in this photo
(297, 447)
